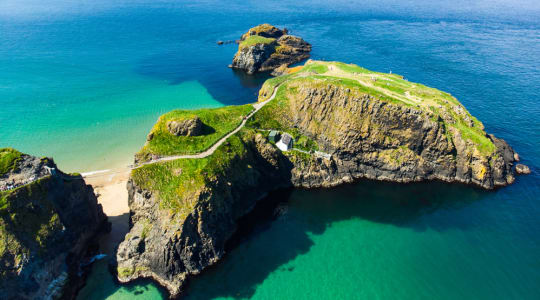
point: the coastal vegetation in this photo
(178, 183)
(358, 82)
(254, 40)
(217, 122)
(268, 48)
(8, 159)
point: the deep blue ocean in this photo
(84, 81)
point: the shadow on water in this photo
(226, 85)
(279, 228)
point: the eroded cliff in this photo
(47, 220)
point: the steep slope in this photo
(47, 220)
(381, 126)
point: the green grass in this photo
(254, 40)
(8, 159)
(391, 88)
(178, 183)
(303, 142)
(352, 68)
(218, 122)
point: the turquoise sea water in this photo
(84, 82)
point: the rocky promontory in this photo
(347, 123)
(266, 48)
(47, 221)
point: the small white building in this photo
(285, 143)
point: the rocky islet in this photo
(266, 48)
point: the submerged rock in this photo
(265, 48)
(47, 221)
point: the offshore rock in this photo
(522, 169)
(265, 48)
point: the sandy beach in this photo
(110, 187)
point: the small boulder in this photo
(522, 169)
(516, 156)
(187, 127)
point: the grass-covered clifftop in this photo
(8, 159)
(254, 40)
(217, 122)
(358, 81)
(179, 183)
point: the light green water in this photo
(101, 131)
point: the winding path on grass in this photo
(257, 106)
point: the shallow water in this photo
(84, 83)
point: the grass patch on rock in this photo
(178, 184)
(8, 159)
(254, 40)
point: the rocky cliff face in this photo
(349, 122)
(169, 247)
(370, 138)
(265, 48)
(47, 220)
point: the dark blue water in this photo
(75, 76)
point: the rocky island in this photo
(47, 221)
(346, 123)
(267, 48)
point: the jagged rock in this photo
(522, 169)
(265, 48)
(188, 127)
(47, 223)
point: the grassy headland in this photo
(359, 81)
(217, 123)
